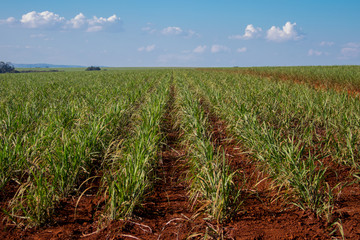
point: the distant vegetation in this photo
(338, 77)
(92, 68)
(6, 67)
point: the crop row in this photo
(130, 168)
(55, 131)
(291, 129)
(211, 179)
(336, 77)
(58, 130)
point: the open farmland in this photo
(237, 153)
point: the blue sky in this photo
(196, 33)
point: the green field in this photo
(60, 131)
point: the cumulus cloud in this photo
(350, 50)
(9, 21)
(288, 32)
(44, 19)
(172, 31)
(95, 20)
(148, 48)
(241, 50)
(177, 31)
(50, 20)
(250, 32)
(169, 31)
(95, 24)
(219, 48)
(200, 49)
(78, 21)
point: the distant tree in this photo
(92, 68)
(6, 67)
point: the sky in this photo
(197, 33)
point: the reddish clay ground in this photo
(286, 220)
(347, 202)
(316, 83)
(262, 216)
(167, 212)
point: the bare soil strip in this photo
(66, 225)
(75, 217)
(166, 212)
(347, 201)
(346, 204)
(263, 215)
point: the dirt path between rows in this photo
(347, 197)
(76, 216)
(264, 215)
(166, 212)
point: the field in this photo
(217, 153)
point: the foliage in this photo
(59, 129)
(132, 164)
(211, 177)
(290, 128)
(6, 67)
(61, 124)
(92, 68)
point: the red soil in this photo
(316, 84)
(167, 212)
(264, 215)
(347, 201)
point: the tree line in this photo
(6, 67)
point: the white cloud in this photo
(95, 20)
(44, 19)
(350, 50)
(313, 52)
(200, 49)
(50, 20)
(241, 50)
(9, 21)
(250, 32)
(177, 31)
(172, 31)
(219, 48)
(288, 32)
(325, 43)
(78, 21)
(97, 24)
(147, 48)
